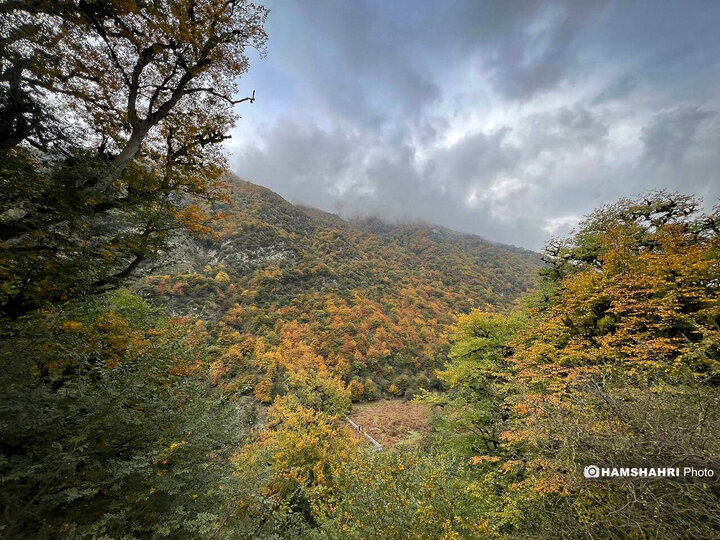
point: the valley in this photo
(186, 354)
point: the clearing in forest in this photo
(393, 422)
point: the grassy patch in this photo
(393, 422)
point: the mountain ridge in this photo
(361, 298)
(319, 213)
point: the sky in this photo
(507, 119)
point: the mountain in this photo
(282, 286)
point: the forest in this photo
(181, 348)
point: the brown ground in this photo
(393, 422)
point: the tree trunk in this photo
(118, 165)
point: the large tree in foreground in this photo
(618, 365)
(111, 113)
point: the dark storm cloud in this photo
(565, 129)
(352, 62)
(508, 119)
(532, 44)
(670, 134)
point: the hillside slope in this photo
(282, 286)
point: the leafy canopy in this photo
(112, 113)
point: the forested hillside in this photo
(285, 286)
(181, 349)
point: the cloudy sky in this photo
(508, 119)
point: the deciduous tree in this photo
(112, 114)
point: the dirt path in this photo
(359, 429)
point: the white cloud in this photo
(553, 225)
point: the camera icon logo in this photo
(592, 471)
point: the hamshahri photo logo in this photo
(593, 471)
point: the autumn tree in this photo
(112, 115)
(637, 291)
(396, 495)
(615, 364)
(371, 392)
(306, 449)
(317, 389)
(621, 366)
(357, 390)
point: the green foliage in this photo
(478, 380)
(108, 426)
(317, 390)
(422, 381)
(371, 393)
(401, 382)
(403, 495)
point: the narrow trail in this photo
(377, 445)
